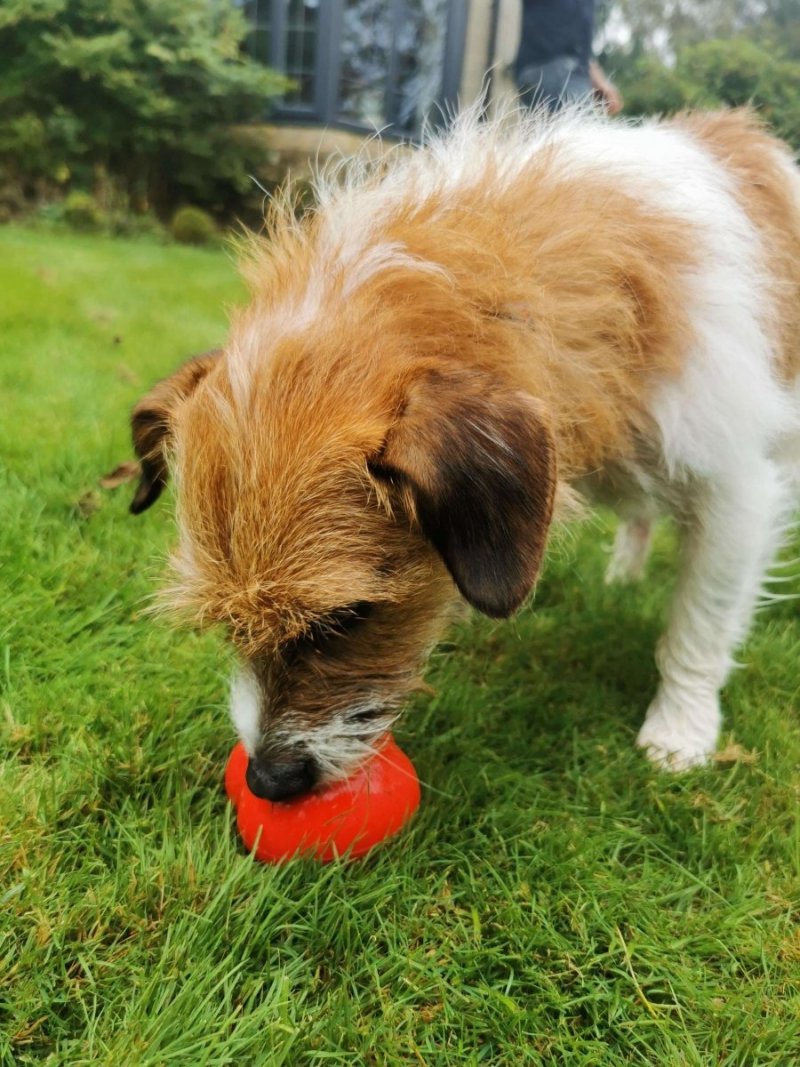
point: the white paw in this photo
(678, 738)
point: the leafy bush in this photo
(650, 87)
(82, 212)
(718, 73)
(130, 224)
(147, 93)
(12, 202)
(192, 226)
(738, 72)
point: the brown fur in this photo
(759, 163)
(151, 422)
(602, 314)
(375, 444)
(575, 302)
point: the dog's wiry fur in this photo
(766, 189)
(424, 358)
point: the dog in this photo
(452, 348)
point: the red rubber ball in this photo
(349, 817)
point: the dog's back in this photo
(640, 279)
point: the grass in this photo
(556, 901)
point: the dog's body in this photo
(554, 304)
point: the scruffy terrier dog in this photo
(451, 345)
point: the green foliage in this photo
(146, 92)
(738, 72)
(82, 212)
(12, 201)
(668, 26)
(192, 226)
(709, 53)
(649, 87)
(130, 224)
(728, 72)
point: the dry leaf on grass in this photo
(121, 475)
(734, 753)
(790, 947)
(87, 504)
(127, 374)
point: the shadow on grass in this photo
(525, 688)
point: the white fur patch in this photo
(359, 266)
(246, 708)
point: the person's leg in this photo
(554, 84)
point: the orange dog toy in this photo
(350, 817)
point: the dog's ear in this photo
(151, 421)
(475, 463)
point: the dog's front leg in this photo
(728, 543)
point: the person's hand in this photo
(612, 98)
(605, 89)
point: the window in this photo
(300, 49)
(363, 64)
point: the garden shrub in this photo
(82, 212)
(148, 92)
(13, 204)
(132, 224)
(192, 226)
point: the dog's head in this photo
(330, 512)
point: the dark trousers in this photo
(556, 83)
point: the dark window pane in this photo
(258, 16)
(300, 49)
(259, 45)
(390, 64)
(253, 8)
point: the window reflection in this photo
(392, 57)
(370, 63)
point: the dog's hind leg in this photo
(630, 552)
(729, 542)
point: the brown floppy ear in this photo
(151, 422)
(475, 462)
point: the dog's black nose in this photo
(280, 780)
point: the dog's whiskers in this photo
(346, 740)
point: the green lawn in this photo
(556, 901)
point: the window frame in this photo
(323, 111)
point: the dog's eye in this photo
(341, 621)
(366, 715)
(324, 630)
